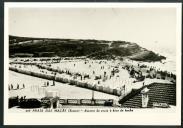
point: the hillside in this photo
(96, 49)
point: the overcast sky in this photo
(149, 27)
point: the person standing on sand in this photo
(11, 86)
(93, 72)
(17, 86)
(23, 86)
(53, 83)
(21, 98)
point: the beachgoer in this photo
(98, 82)
(104, 73)
(93, 72)
(17, 86)
(21, 98)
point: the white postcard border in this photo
(138, 117)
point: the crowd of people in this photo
(106, 74)
(15, 87)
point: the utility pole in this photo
(54, 79)
(92, 94)
(93, 102)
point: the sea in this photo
(169, 64)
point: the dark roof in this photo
(158, 92)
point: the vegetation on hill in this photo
(96, 49)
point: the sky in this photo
(151, 28)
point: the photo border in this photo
(2, 46)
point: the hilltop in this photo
(95, 49)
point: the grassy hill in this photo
(96, 49)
